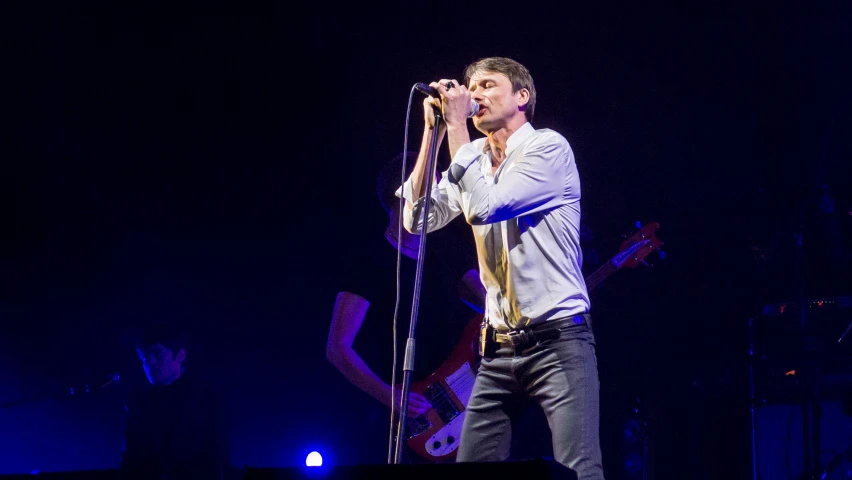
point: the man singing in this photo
(520, 191)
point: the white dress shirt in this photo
(526, 223)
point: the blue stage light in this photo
(314, 460)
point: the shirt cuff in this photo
(405, 192)
(411, 209)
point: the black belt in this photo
(544, 331)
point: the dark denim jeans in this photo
(561, 375)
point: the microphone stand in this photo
(811, 408)
(408, 365)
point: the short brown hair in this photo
(172, 337)
(517, 73)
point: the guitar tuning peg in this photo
(638, 224)
(662, 254)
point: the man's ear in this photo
(181, 355)
(523, 99)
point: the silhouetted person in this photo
(175, 429)
(451, 295)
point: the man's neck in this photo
(169, 381)
(498, 139)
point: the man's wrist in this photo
(457, 127)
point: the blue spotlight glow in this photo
(314, 460)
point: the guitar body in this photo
(435, 434)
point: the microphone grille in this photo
(474, 108)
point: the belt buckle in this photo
(517, 337)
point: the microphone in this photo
(427, 90)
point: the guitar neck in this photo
(598, 276)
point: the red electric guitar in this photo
(434, 435)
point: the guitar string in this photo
(601, 271)
(592, 279)
(443, 399)
(451, 384)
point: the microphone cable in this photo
(391, 438)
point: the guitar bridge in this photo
(441, 401)
(417, 425)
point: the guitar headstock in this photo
(638, 246)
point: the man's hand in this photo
(429, 106)
(455, 101)
(455, 105)
(417, 404)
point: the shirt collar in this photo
(514, 140)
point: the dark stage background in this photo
(214, 164)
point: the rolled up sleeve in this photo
(443, 208)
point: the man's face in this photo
(497, 104)
(161, 366)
